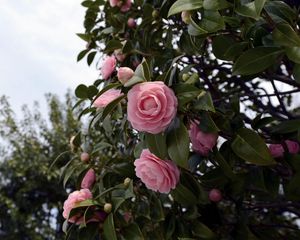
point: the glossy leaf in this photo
(178, 145)
(256, 60)
(157, 144)
(109, 228)
(184, 5)
(249, 146)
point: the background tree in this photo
(31, 194)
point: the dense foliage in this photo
(31, 194)
(175, 76)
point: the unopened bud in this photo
(131, 23)
(186, 17)
(124, 74)
(107, 207)
(127, 182)
(185, 76)
(155, 13)
(215, 195)
(85, 157)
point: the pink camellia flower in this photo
(215, 195)
(125, 6)
(158, 175)
(202, 142)
(73, 199)
(124, 74)
(89, 179)
(277, 150)
(131, 23)
(119, 55)
(108, 67)
(107, 97)
(151, 107)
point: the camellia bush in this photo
(193, 126)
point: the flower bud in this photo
(89, 179)
(215, 195)
(155, 13)
(107, 207)
(124, 74)
(186, 17)
(131, 23)
(127, 182)
(84, 157)
(185, 76)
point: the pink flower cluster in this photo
(277, 150)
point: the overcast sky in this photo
(38, 49)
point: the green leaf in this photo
(185, 93)
(293, 53)
(113, 45)
(81, 91)
(195, 30)
(249, 146)
(178, 145)
(220, 45)
(256, 60)
(287, 127)
(212, 21)
(285, 35)
(143, 71)
(82, 54)
(207, 124)
(215, 4)
(134, 80)
(204, 103)
(202, 231)
(185, 5)
(83, 36)
(86, 203)
(132, 232)
(183, 195)
(90, 57)
(252, 9)
(109, 228)
(157, 144)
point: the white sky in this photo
(38, 49)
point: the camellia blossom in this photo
(107, 97)
(124, 5)
(77, 197)
(151, 107)
(277, 150)
(124, 74)
(202, 142)
(89, 179)
(108, 67)
(158, 175)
